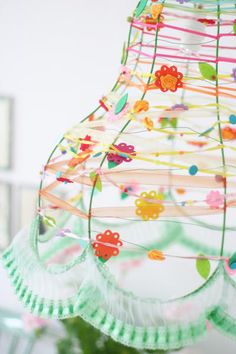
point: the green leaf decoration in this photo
(164, 122)
(206, 132)
(234, 28)
(97, 155)
(121, 104)
(203, 267)
(111, 164)
(141, 7)
(207, 71)
(135, 37)
(124, 53)
(73, 149)
(94, 177)
(173, 122)
(124, 195)
(49, 221)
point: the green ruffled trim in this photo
(84, 304)
(171, 337)
(224, 322)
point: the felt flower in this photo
(112, 116)
(234, 74)
(214, 199)
(120, 154)
(148, 123)
(168, 78)
(180, 191)
(156, 10)
(149, 206)
(84, 146)
(228, 133)
(151, 23)
(156, 255)
(141, 106)
(128, 189)
(107, 245)
(179, 107)
(125, 72)
(230, 265)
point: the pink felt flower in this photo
(214, 199)
(112, 116)
(230, 271)
(129, 189)
(125, 72)
(120, 153)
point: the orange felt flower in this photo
(156, 255)
(228, 133)
(156, 10)
(141, 106)
(152, 23)
(149, 206)
(148, 123)
(168, 78)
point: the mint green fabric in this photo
(99, 300)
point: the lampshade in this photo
(135, 228)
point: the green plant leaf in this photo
(49, 221)
(141, 7)
(207, 71)
(94, 177)
(203, 267)
(121, 104)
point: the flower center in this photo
(168, 82)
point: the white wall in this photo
(57, 59)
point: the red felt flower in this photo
(103, 248)
(168, 78)
(84, 146)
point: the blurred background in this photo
(58, 58)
